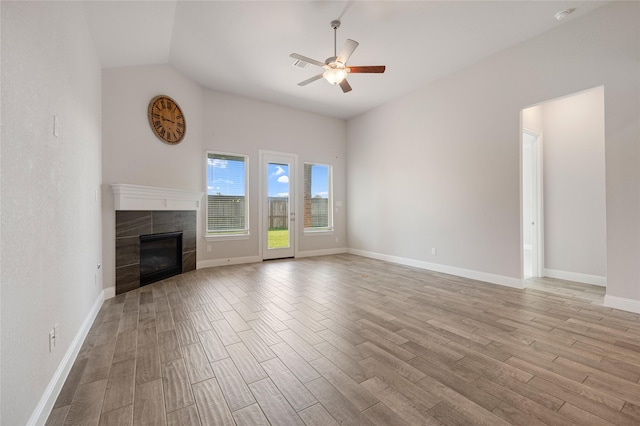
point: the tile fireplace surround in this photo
(144, 210)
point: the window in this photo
(317, 197)
(227, 194)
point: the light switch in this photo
(55, 125)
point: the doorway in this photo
(531, 204)
(563, 204)
(277, 230)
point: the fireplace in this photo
(133, 227)
(153, 223)
(160, 256)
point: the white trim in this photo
(323, 252)
(228, 261)
(576, 276)
(227, 237)
(317, 233)
(45, 405)
(136, 197)
(263, 194)
(537, 249)
(109, 292)
(246, 231)
(330, 218)
(630, 305)
(451, 270)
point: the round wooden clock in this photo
(167, 120)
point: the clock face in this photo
(167, 120)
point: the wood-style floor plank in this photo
(121, 417)
(184, 416)
(398, 403)
(87, 403)
(317, 415)
(120, 385)
(175, 382)
(249, 368)
(251, 415)
(274, 404)
(292, 389)
(197, 363)
(148, 406)
(233, 386)
(212, 407)
(348, 340)
(356, 394)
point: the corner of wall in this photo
(48, 399)
(625, 304)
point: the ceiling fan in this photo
(335, 67)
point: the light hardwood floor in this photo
(348, 340)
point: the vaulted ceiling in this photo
(243, 47)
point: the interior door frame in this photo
(293, 192)
(537, 249)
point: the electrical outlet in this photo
(209, 248)
(433, 251)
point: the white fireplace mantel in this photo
(136, 197)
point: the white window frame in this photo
(328, 230)
(222, 235)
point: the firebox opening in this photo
(160, 256)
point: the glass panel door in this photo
(277, 208)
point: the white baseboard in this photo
(324, 252)
(631, 305)
(109, 292)
(229, 261)
(575, 276)
(45, 405)
(460, 272)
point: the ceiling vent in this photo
(301, 64)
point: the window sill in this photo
(226, 237)
(317, 233)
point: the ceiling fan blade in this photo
(347, 50)
(310, 80)
(345, 86)
(367, 69)
(308, 60)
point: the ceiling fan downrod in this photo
(335, 25)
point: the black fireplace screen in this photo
(160, 256)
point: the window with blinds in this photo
(227, 194)
(317, 197)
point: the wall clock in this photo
(167, 120)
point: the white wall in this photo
(215, 121)
(449, 154)
(50, 212)
(132, 154)
(240, 125)
(574, 185)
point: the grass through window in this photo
(278, 238)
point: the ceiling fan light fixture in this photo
(335, 75)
